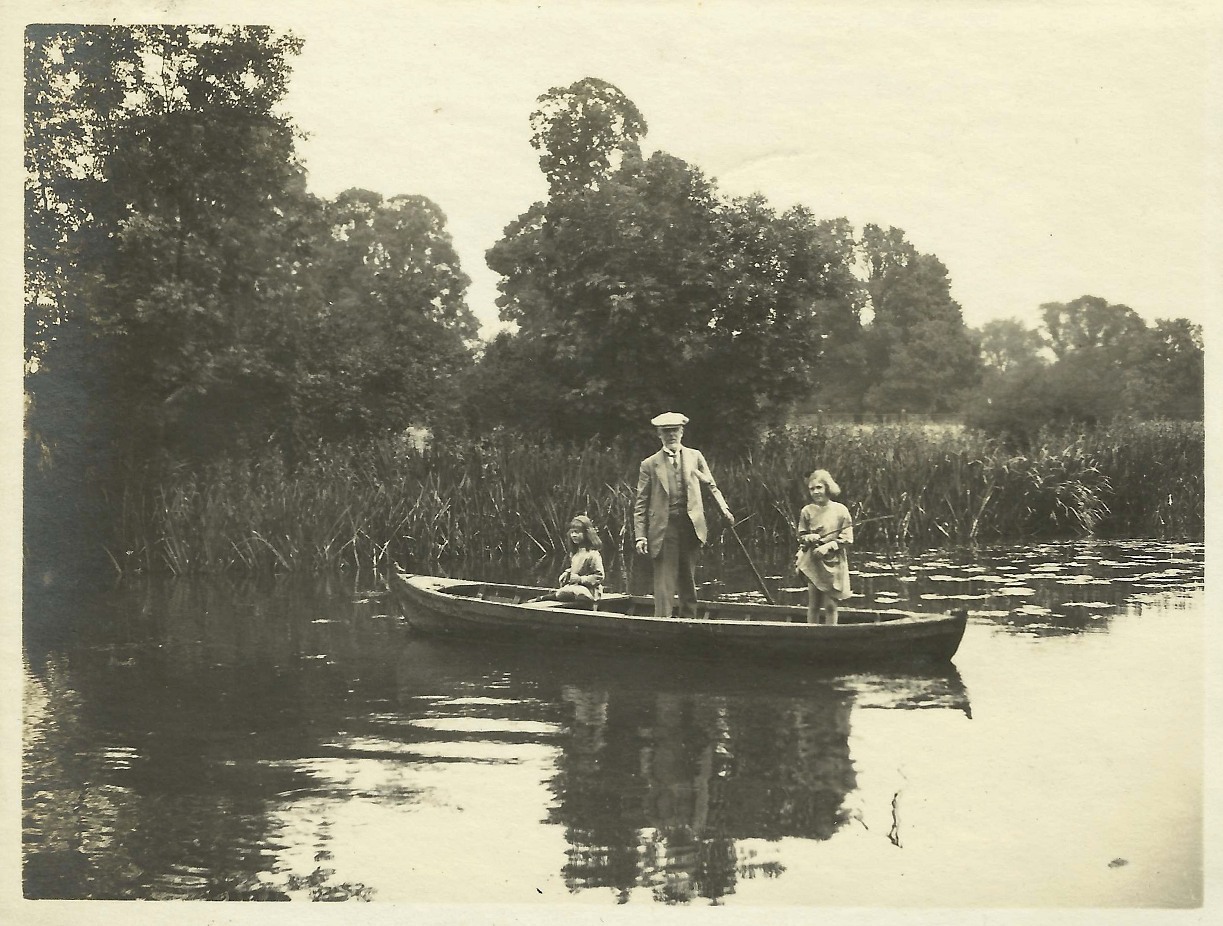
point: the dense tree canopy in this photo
(1089, 323)
(1107, 363)
(1167, 376)
(392, 325)
(159, 180)
(637, 285)
(174, 247)
(1008, 344)
(641, 288)
(158, 204)
(924, 353)
(582, 133)
(186, 297)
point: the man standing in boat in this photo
(669, 514)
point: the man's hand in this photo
(642, 547)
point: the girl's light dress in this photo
(829, 573)
(584, 577)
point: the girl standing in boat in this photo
(582, 582)
(825, 529)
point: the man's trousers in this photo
(675, 568)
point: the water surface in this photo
(291, 740)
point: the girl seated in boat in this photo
(582, 582)
(825, 529)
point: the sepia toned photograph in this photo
(528, 460)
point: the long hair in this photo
(590, 536)
(822, 475)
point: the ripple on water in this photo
(1163, 574)
(499, 725)
(1032, 610)
(486, 700)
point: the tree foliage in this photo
(393, 324)
(1107, 363)
(925, 355)
(641, 288)
(1167, 373)
(171, 231)
(1008, 344)
(158, 201)
(186, 297)
(582, 131)
(1089, 323)
(637, 285)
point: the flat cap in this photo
(669, 420)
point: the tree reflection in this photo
(163, 731)
(658, 789)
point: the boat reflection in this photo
(180, 737)
(672, 791)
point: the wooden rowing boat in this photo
(492, 611)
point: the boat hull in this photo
(458, 608)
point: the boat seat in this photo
(553, 603)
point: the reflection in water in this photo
(1048, 589)
(641, 792)
(147, 768)
(660, 789)
(268, 740)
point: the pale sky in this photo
(1042, 151)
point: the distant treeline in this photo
(392, 501)
(198, 321)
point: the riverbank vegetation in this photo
(221, 367)
(501, 497)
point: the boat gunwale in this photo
(444, 590)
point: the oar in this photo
(764, 589)
(730, 526)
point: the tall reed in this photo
(362, 508)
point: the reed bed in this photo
(363, 508)
(1156, 473)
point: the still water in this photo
(291, 740)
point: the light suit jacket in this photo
(650, 508)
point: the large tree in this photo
(160, 186)
(640, 287)
(845, 369)
(1008, 344)
(161, 189)
(1167, 372)
(582, 132)
(1149, 371)
(924, 356)
(1107, 363)
(392, 326)
(1089, 323)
